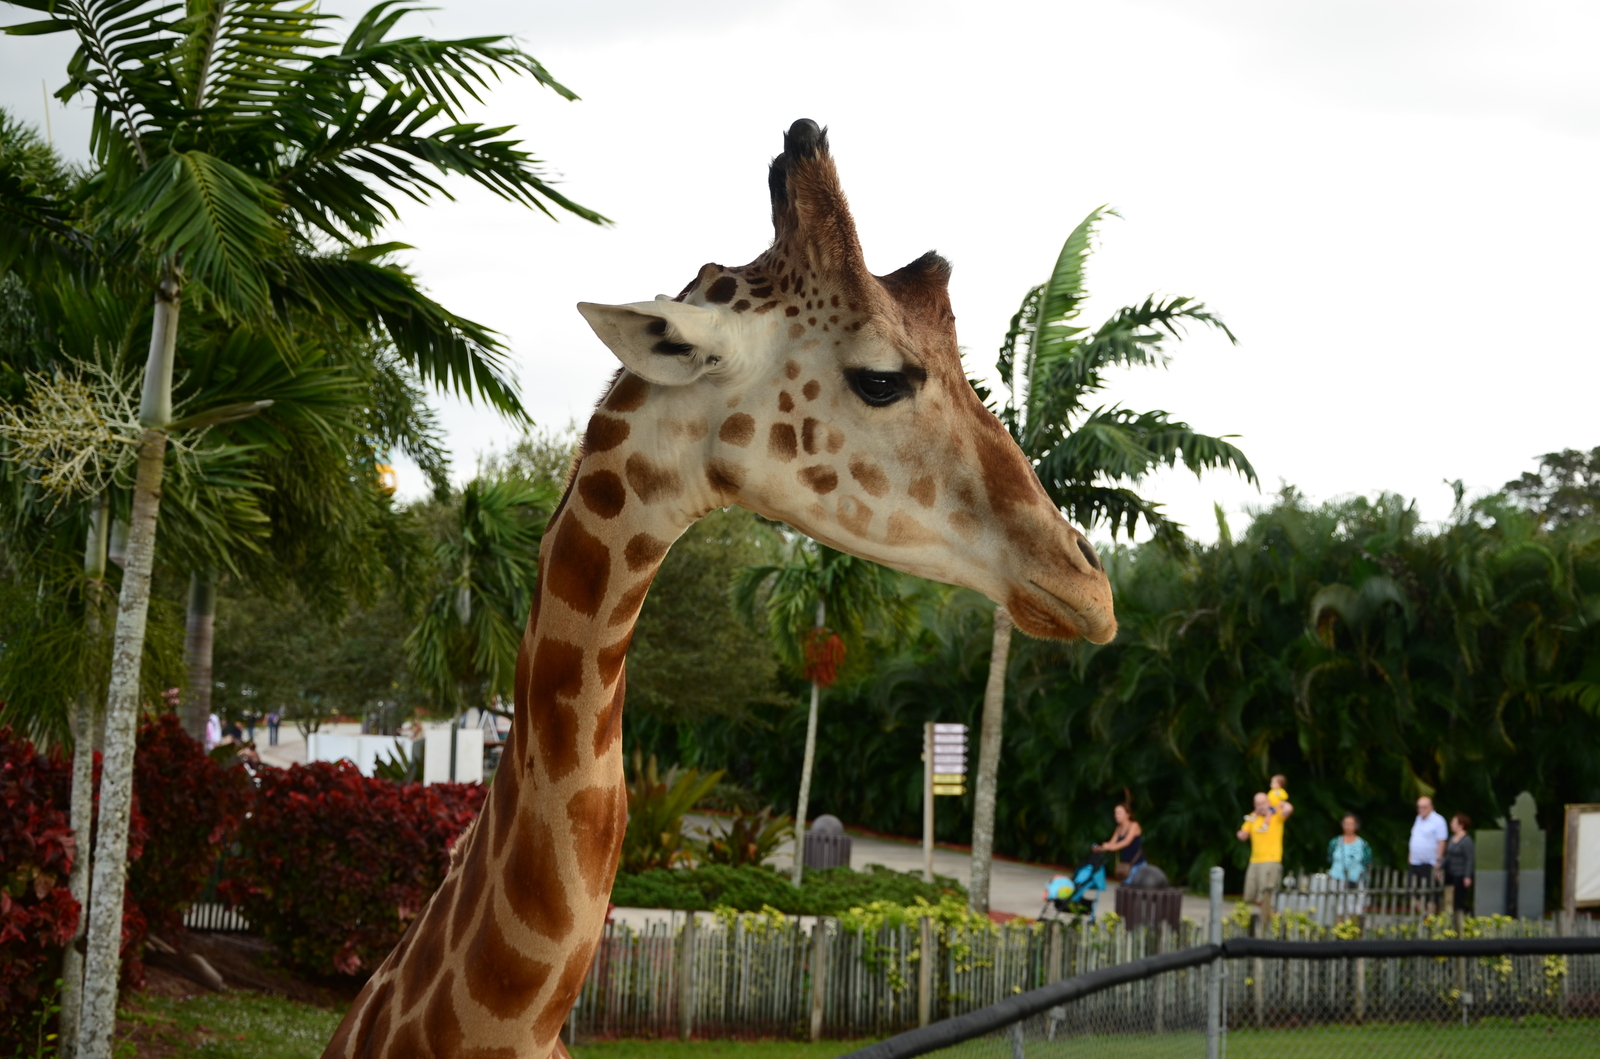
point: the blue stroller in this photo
(1077, 894)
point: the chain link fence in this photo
(1533, 997)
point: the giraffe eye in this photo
(879, 388)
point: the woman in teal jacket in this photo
(1349, 856)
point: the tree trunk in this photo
(994, 707)
(84, 720)
(197, 641)
(805, 771)
(102, 962)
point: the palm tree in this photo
(234, 150)
(464, 647)
(799, 598)
(1087, 458)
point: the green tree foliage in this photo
(693, 655)
(1565, 488)
(1365, 656)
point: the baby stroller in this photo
(1077, 894)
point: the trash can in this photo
(1141, 906)
(827, 846)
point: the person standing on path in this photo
(1349, 861)
(1127, 841)
(1263, 829)
(1428, 837)
(1458, 859)
(272, 728)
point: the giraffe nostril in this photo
(1088, 553)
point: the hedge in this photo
(827, 891)
(334, 865)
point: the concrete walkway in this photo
(1014, 887)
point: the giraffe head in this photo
(811, 391)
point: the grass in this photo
(230, 1026)
(715, 1049)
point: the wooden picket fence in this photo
(755, 976)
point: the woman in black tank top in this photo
(1127, 841)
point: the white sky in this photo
(1392, 203)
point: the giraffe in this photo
(802, 387)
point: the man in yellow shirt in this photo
(1263, 829)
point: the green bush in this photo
(750, 889)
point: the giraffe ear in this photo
(664, 342)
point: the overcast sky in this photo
(1393, 203)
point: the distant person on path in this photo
(1428, 837)
(272, 728)
(250, 726)
(1459, 856)
(1127, 841)
(1349, 861)
(213, 732)
(1263, 829)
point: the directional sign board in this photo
(949, 759)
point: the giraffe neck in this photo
(494, 963)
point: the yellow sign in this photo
(948, 788)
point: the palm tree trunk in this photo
(84, 722)
(805, 771)
(103, 962)
(994, 708)
(197, 643)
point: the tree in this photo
(1088, 459)
(817, 585)
(231, 156)
(485, 562)
(1565, 488)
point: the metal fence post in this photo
(925, 971)
(686, 979)
(1214, 985)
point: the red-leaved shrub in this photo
(336, 865)
(194, 805)
(37, 913)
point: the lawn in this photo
(224, 1026)
(715, 1049)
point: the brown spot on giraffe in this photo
(652, 481)
(781, 443)
(791, 370)
(628, 606)
(785, 402)
(644, 550)
(532, 883)
(741, 305)
(598, 815)
(629, 393)
(966, 524)
(854, 515)
(557, 679)
(765, 307)
(555, 1013)
(737, 429)
(819, 479)
(905, 531)
(835, 440)
(811, 390)
(796, 330)
(923, 490)
(444, 1026)
(870, 475)
(581, 582)
(605, 433)
(609, 728)
(724, 477)
(499, 977)
(603, 493)
(808, 434)
(722, 291)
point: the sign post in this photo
(944, 772)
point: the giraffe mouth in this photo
(1079, 623)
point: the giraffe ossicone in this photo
(807, 389)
